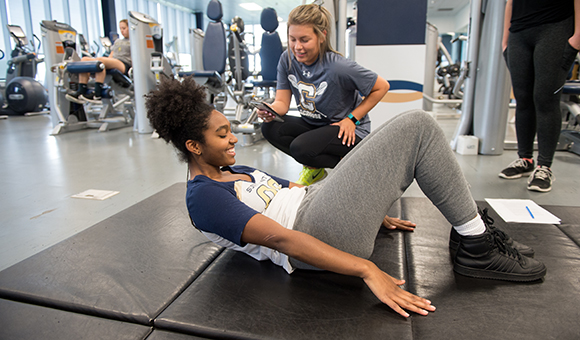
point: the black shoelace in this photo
(499, 238)
(504, 248)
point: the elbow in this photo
(386, 87)
(380, 88)
(278, 243)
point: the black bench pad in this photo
(489, 309)
(128, 267)
(239, 297)
(23, 321)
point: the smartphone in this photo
(266, 107)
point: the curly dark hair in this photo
(178, 111)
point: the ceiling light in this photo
(251, 6)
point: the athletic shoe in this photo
(487, 256)
(91, 98)
(75, 97)
(517, 169)
(310, 176)
(541, 179)
(455, 238)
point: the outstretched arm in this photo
(264, 231)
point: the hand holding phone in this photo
(266, 107)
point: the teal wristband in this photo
(354, 120)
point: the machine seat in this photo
(265, 83)
(120, 78)
(571, 87)
(213, 77)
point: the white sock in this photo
(473, 227)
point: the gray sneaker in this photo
(541, 179)
(517, 169)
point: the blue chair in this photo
(270, 51)
(214, 45)
(214, 52)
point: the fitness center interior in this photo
(95, 237)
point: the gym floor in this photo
(40, 173)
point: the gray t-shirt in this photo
(328, 90)
(122, 50)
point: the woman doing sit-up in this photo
(330, 225)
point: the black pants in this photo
(314, 146)
(539, 59)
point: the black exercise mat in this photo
(128, 267)
(240, 298)
(28, 322)
(163, 335)
(570, 223)
(470, 308)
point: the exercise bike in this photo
(22, 94)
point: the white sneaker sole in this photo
(74, 100)
(94, 101)
(502, 175)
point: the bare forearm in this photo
(282, 102)
(310, 250)
(507, 24)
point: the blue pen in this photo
(528, 209)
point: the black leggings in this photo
(314, 146)
(539, 59)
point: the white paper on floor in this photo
(522, 211)
(93, 194)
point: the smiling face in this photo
(218, 148)
(304, 43)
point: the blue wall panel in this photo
(391, 22)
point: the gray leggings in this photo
(347, 208)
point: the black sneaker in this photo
(541, 179)
(517, 169)
(75, 97)
(487, 256)
(455, 238)
(91, 98)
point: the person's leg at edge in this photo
(552, 61)
(520, 57)
(347, 209)
(520, 63)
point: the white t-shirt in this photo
(221, 210)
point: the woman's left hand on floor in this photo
(396, 223)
